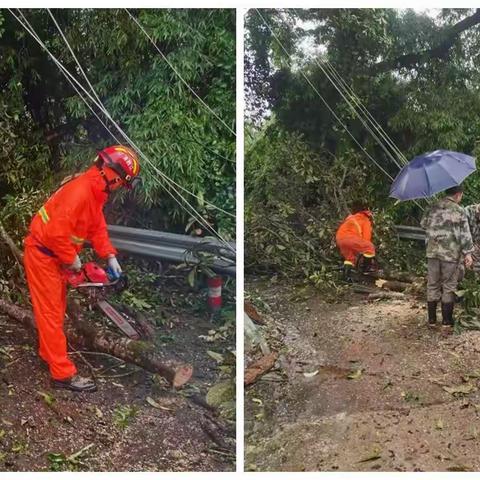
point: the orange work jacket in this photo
(72, 215)
(358, 225)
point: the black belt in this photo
(43, 249)
(46, 251)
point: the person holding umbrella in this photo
(449, 244)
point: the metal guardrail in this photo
(172, 247)
(410, 233)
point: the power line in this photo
(349, 90)
(323, 99)
(65, 71)
(100, 103)
(178, 74)
(328, 106)
(74, 56)
(342, 94)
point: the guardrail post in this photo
(214, 294)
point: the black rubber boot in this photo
(447, 318)
(347, 273)
(366, 264)
(432, 313)
(458, 299)
(76, 384)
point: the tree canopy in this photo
(415, 71)
(48, 131)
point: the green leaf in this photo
(48, 398)
(192, 275)
(216, 356)
(355, 374)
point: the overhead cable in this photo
(197, 216)
(100, 103)
(344, 95)
(178, 74)
(349, 90)
(323, 99)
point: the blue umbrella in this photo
(431, 173)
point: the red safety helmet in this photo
(122, 160)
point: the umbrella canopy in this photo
(431, 173)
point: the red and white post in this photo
(214, 294)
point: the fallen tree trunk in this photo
(84, 334)
(357, 288)
(398, 276)
(385, 295)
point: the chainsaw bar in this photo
(100, 284)
(93, 284)
(118, 319)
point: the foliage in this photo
(48, 131)
(156, 292)
(470, 295)
(123, 415)
(200, 269)
(142, 292)
(303, 170)
(59, 462)
(291, 221)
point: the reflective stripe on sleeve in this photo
(44, 215)
(77, 240)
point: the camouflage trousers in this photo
(442, 280)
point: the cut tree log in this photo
(258, 368)
(394, 285)
(83, 334)
(357, 288)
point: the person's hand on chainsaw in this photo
(76, 265)
(114, 266)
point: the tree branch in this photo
(17, 253)
(412, 60)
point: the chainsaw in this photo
(98, 280)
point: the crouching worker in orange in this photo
(354, 240)
(71, 216)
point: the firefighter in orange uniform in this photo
(71, 216)
(354, 240)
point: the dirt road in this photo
(360, 387)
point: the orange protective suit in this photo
(73, 214)
(354, 237)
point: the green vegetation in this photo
(48, 132)
(123, 415)
(417, 77)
